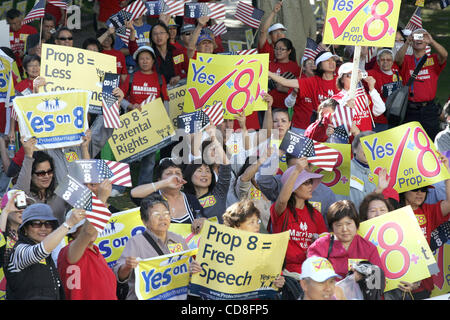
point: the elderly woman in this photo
(344, 245)
(155, 240)
(292, 211)
(28, 277)
(201, 40)
(38, 180)
(32, 67)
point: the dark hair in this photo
(189, 171)
(40, 157)
(289, 46)
(364, 206)
(48, 17)
(101, 31)
(62, 29)
(292, 203)
(13, 13)
(319, 71)
(284, 110)
(341, 209)
(166, 28)
(402, 199)
(164, 164)
(30, 58)
(90, 41)
(340, 83)
(239, 212)
(149, 202)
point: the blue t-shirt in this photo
(142, 39)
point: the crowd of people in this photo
(221, 182)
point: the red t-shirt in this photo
(312, 91)
(144, 85)
(24, 84)
(342, 259)
(18, 39)
(89, 279)
(425, 85)
(267, 48)
(120, 60)
(300, 233)
(279, 68)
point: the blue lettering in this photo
(104, 248)
(389, 149)
(146, 277)
(196, 72)
(211, 79)
(48, 119)
(372, 148)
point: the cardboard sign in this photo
(442, 279)
(403, 249)
(75, 193)
(297, 145)
(227, 257)
(56, 119)
(90, 171)
(67, 68)
(155, 8)
(176, 103)
(361, 22)
(408, 154)
(142, 133)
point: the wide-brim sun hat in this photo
(302, 178)
(324, 57)
(142, 49)
(38, 211)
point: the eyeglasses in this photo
(281, 49)
(65, 39)
(43, 173)
(424, 189)
(159, 215)
(38, 224)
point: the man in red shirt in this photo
(18, 34)
(421, 105)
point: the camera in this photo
(418, 36)
(364, 74)
(21, 200)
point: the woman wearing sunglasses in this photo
(37, 179)
(31, 273)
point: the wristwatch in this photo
(65, 224)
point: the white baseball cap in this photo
(324, 57)
(276, 26)
(345, 68)
(318, 268)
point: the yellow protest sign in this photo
(227, 257)
(56, 119)
(238, 82)
(339, 178)
(164, 277)
(403, 249)
(141, 132)
(408, 154)
(361, 22)
(6, 83)
(442, 279)
(68, 68)
(234, 46)
(2, 274)
(176, 96)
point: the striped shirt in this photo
(25, 255)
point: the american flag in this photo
(416, 20)
(361, 99)
(216, 10)
(99, 214)
(111, 111)
(248, 14)
(297, 145)
(37, 12)
(104, 172)
(370, 54)
(176, 7)
(218, 29)
(312, 49)
(201, 120)
(149, 99)
(60, 3)
(215, 113)
(247, 52)
(131, 12)
(121, 173)
(339, 135)
(343, 116)
(325, 157)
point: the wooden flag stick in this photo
(355, 75)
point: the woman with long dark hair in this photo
(292, 212)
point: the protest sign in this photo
(6, 85)
(56, 119)
(164, 277)
(110, 103)
(442, 279)
(408, 154)
(176, 102)
(68, 68)
(141, 133)
(90, 171)
(403, 249)
(4, 34)
(361, 22)
(227, 257)
(338, 180)
(239, 82)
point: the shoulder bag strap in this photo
(330, 248)
(153, 243)
(417, 70)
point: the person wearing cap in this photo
(186, 32)
(387, 80)
(422, 106)
(311, 91)
(173, 32)
(274, 32)
(292, 211)
(344, 245)
(373, 106)
(429, 216)
(106, 38)
(318, 280)
(64, 37)
(81, 258)
(202, 39)
(31, 273)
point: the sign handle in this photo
(354, 79)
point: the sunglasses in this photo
(187, 34)
(38, 224)
(64, 39)
(424, 189)
(43, 173)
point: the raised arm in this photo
(192, 45)
(290, 83)
(263, 31)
